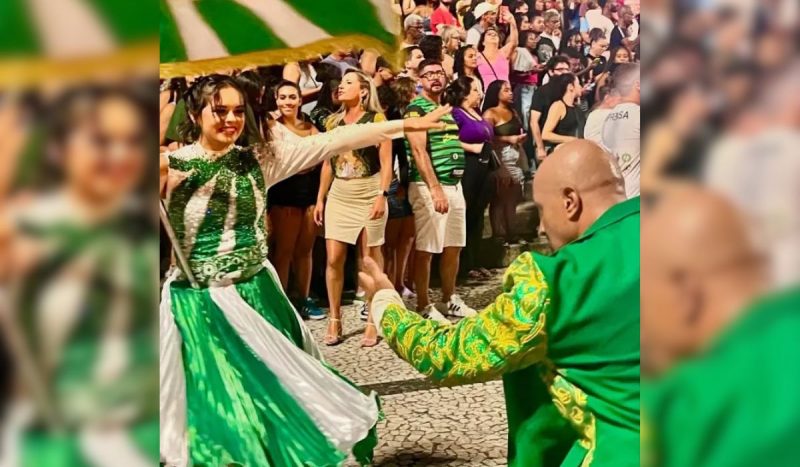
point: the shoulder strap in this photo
(490, 66)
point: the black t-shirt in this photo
(616, 37)
(589, 77)
(597, 69)
(543, 98)
(469, 21)
(545, 50)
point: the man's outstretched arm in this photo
(508, 335)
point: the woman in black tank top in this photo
(564, 119)
(507, 146)
(291, 205)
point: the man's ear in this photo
(688, 287)
(572, 203)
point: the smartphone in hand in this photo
(503, 14)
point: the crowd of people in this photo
(521, 78)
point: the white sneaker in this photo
(363, 309)
(430, 312)
(407, 294)
(457, 307)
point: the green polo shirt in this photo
(444, 147)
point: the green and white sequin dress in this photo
(242, 381)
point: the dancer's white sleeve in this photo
(293, 155)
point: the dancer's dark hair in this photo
(204, 91)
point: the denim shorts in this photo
(398, 207)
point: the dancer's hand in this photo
(319, 213)
(427, 122)
(372, 278)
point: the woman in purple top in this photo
(465, 96)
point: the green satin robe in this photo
(737, 403)
(564, 335)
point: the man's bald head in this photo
(699, 268)
(574, 186)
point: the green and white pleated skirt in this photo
(242, 383)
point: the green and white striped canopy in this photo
(54, 36)
(204, 36)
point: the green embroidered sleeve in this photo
(506, 336)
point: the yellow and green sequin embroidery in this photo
(509, 334)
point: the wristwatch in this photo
(385, 194)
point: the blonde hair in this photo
(370, 102)
(448, 32)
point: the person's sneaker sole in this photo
(439, 317)
(317, 317)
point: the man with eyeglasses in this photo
(412, 26)
(543, 98)
(437, 198)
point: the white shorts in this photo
(436, 231)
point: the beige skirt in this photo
(347, 211)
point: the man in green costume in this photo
(718, 348)
(564, 334)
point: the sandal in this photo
(331, 340)
(370, 342)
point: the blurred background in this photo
(720, 238)
(78, 233)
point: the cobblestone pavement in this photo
(425, 424)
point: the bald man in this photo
(564, 334)
(719, 356)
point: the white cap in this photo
(482, 8)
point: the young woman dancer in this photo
(76, 265)
(356, 185)
(241, 378)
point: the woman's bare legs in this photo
(374, 252)
(390, 248)
(334, 279)
(408, 276)
(404, 245)
(497, 214)
(510, 210)
(303, 252)
(290, 220)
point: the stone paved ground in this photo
(425, 424)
